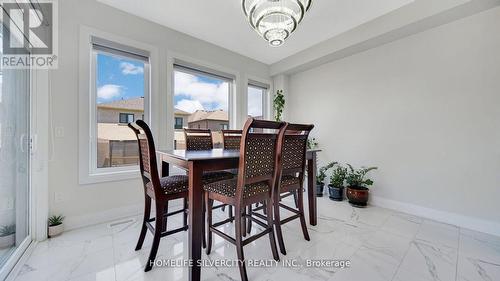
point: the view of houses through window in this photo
(120, 89)
(201, 101)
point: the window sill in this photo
(109, 176)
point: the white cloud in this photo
(205, 93)
(109, 91)
(189, 105)
(129, 68)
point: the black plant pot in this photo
(319, 189)
(336, 193)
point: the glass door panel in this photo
(14, 165)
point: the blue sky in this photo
(118, 78)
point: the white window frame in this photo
(88, 171)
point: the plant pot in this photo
(336, 193)
(7, 241)
(358, 196)
(319, 189)
(56, 230)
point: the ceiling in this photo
(221, 22)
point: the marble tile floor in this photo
(381, 245)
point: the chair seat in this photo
(228, 188)
(289, 180)
(209, 177)
(173, 184)
(180, 183)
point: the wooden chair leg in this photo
(185, 206)
(209, 203)
(277, 223)
(230, 212)
(244, 223)
(265, 207)
(165, 218)
(239, 244)
(302, 218)
(203, 227)
(144, 228)
(271, 233)
(160, 209)
(295, 199)
(249, 222)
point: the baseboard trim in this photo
(75, 222)
(476, 224)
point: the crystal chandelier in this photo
(275, 20)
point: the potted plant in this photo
(278, 105)
(7, 236)
(320, 178)
(357, 186)
(56, 226)
(336, 186)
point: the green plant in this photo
(338, 177)
(312, 143)
(320, 178)
(357, 178)
(278, 105)
(7, 230)
(56, 220)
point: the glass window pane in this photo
(201, 102)
(255, 102)
(120, 100)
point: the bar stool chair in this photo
(255, 182)
(161, 190)
(232, 139)
(201, 139)
(290, 178)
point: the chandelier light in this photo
(275, 20)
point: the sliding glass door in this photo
(14, 166)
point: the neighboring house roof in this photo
(181, 112)
(217, 115)
(136, 104)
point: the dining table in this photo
(197, 162)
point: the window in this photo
(256, 101)
(127, 118)
(203, 97)
(120, 76)
(178, 123)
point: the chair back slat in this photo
(292, 154)
(147, 156)
(232, 139)
(258, 153)
(198, 139)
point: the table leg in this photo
(195, 220)
(311, 189)
(165, 169)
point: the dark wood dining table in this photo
(198, 162)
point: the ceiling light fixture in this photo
(275, 20)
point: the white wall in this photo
(424, 109)
(85, 204)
